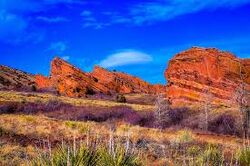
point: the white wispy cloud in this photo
(94, 24)
(27, 6)
(16, 18)
(66, 58)
(89, 21)
(125, 57)
(52, 19)
(86, 13)
(169, 9)
(11, 25)
(13, 29)
(116, 18)
(155, 11)
(58, 47)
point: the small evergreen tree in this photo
(33, 88)
(121, 98)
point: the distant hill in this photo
(15, 79)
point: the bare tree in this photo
(208, 99)
(207, 107)
(241, 97)
(161, 111)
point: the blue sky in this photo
(137, 37)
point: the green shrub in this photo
(33, 88)
(121, 98)
(194, 150)
(184, 136)
(244, 156)
(71, 124)
(118, 158)
(211, 156)
(29, 118)
(89, 91)
(2, 132)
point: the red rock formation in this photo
(124, 83)
(42, 81)
(159, 89)
(246, 63)
(71, 81)
(192, 72)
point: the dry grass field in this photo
(24, 136)
(24, 133)
(12, 96)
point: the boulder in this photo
(194, 73)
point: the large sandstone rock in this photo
(124, 83)
(193, 72)
(43, 82)
(71, 81)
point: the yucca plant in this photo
(244, 156)
(184, 136)
(193, 150)
(66, 156)
(117, 158)
(86, 156)
(211, 156)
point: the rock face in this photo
(15, 79)
(42, 81)
(194, 73)
(124, 83)
(71, 81)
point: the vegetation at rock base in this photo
(121, 98)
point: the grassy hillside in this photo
(22, 133)
(13, 96)
(37, 127)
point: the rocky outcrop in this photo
(246, 64)
(194, 73)
(43, 82)
(124, 83)
(71, 81)
(159, 89)
(15, 79)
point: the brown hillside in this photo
(15, 79)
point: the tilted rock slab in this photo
(190, 74)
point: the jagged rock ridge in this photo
(71, 81)
(124, 83)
